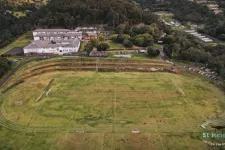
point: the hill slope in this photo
(72, 13)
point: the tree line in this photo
(188, 11)
(5, 65)
(69, 14)
(182, 46)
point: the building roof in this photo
(98, 54)
(58, 35)
(52, 30)
(53, 44)
(85, 28)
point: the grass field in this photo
(99, 110)
(114, 45)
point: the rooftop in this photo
(53, 44)
(52, 30)
(57, 35)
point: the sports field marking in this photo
(160, 140)
(27, 143)
(165, 106)
(34, 113)
(61, 143)
(103, 141)
(191, 112)
(53, 142)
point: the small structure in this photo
(135, 131)
(122, 56)
(18, 103)
(142, 51)
(98, 54)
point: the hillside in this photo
(20, 2)
(72, 13)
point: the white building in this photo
(54, 41)
(88, 31)
(58, 47)
(56, 34)
(58, 41)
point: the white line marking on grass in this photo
(103, 141)
(27, 142)
(61, 143)
(148, 136)
(160, 140)
(34, 113)
(164, 107)
(114, 101)
(191, 112)
(53, 142)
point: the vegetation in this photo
(103, 46)
(180, 45)
(152, 52)
(188, 11)
(5, 65)
(69, 14)
(140, 35)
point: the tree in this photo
(152, 52)
(88, 47)
(148, 40)
(139, 41)
(127, 43)
(114, 37)
(121, 28)
(167, 49)
(175, 50)
(101, 38)
(94, 42)
(122, 37)
(4, 66)
(144, 40)
(168, 39)
(103, 46)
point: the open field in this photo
(83, 109)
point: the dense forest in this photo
(5, 65)
(182, 46)
(72, 13)
(185, 10)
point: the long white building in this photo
(56, 34)
(58, 47)
(59, 41)
(54, 41)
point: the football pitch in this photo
(109, 110)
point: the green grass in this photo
(20, 42)
(114, 45)
(82, 46)
(17, 14)
(107, 106)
